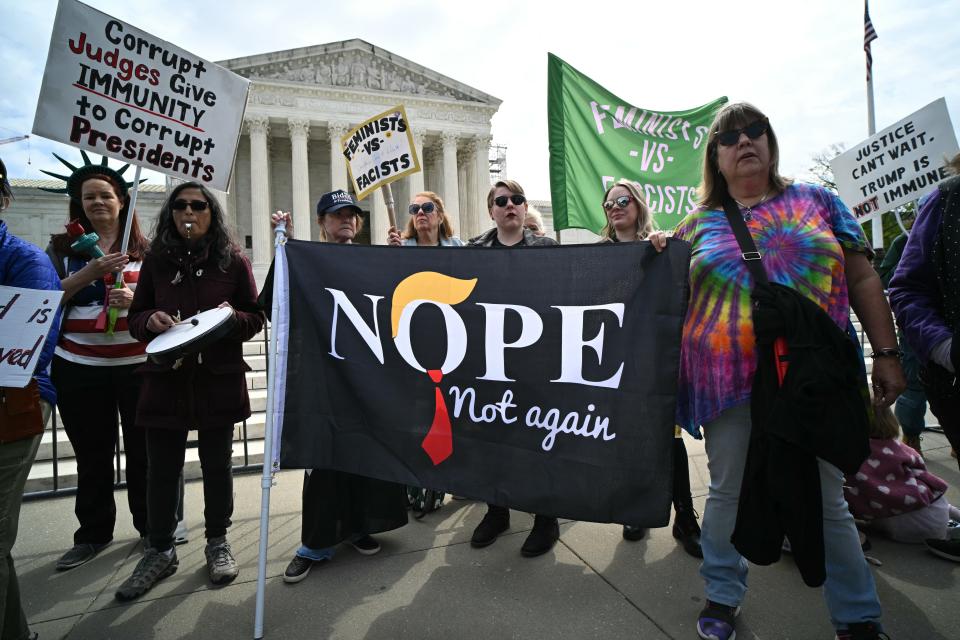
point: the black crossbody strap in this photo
(748, 249)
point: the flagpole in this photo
(266, 479)
(869, 35)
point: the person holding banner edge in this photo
(629, 220)
(811, 242)
(192, 266)
(338, 506)
(507, 206)
(429, 224)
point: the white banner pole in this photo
(133, 205)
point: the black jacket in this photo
(819, 412)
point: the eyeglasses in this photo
(516, 198)
(753, 130)
(427, 207)
(198, 206)
(620, 203)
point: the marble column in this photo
(450, 189)
(416, 180)
(258, 128)
(471, 218)
(300, 185)
(379, 221)
(338, 165)
(482, 174)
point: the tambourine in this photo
(191, 335)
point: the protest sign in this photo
(380, 151)
(121, 92)
(898, 164)
(26, 316)
(550, 395)
(596, 139)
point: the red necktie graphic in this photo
(439, 440)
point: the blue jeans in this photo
(911, 406)
(323, 554)
(849, 590)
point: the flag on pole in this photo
(869, 35)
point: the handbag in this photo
(21, 415)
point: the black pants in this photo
(165, 450)
(945, 404)
(89, 399)
(682, 498)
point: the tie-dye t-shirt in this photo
(801, 234)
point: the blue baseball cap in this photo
(336, 200)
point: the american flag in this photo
(869, 35)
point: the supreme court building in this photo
(301, 102)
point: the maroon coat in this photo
(209, 391)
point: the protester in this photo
(21, 265)
(94, 365)
(507, 206)
(925, 295)
(810, 242)
(338, 506)
(894, 493)
(192, 266)
(429, 224)
(629, 220)
(534, 221)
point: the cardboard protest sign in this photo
(380, 151)
(898, 164)
(121, 92)
(597, 139)
(26, 316)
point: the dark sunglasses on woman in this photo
(620, 203)
(753, 130)
(195, 205)
(427, 207)
(516, 198)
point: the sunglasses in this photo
(753, 130)
(620, 203)
(517, 199)
(196, 205)
(426, 207)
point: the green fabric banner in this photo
(597, 139)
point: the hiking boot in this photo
(545, 533)
(79, 554)
(297, 570)
(221, 565)
(717, 622)
(633, 533)
(913, 442)
(947, 549)
(365, 545)
(687, 531)
(495, 522)
(862, 631)
(153, 567)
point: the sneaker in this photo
(153, 567)
(717, 622)
(297, 570)
(79, 554)
(687, 531)
(221, 565)
(545, 533)
(495, 522)
(633, 533)
(949, 549)
(365, 545)
(862, 631)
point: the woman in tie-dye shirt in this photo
(811, 242)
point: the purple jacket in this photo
(914, 290)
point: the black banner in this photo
(543, 379)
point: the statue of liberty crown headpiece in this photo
(79, 174)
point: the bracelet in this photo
(886, 353)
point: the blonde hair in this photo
(534, 214)
(884, 425)
(713, 188)
(445, 230)
(644, 219)
(511, 185)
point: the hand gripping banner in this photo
(543, 379)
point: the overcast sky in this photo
(802, 63)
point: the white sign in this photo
(121, 92)
(26, 316)
(380, 151)
(897, 165)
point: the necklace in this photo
(747, 212)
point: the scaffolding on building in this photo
(498, 162)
